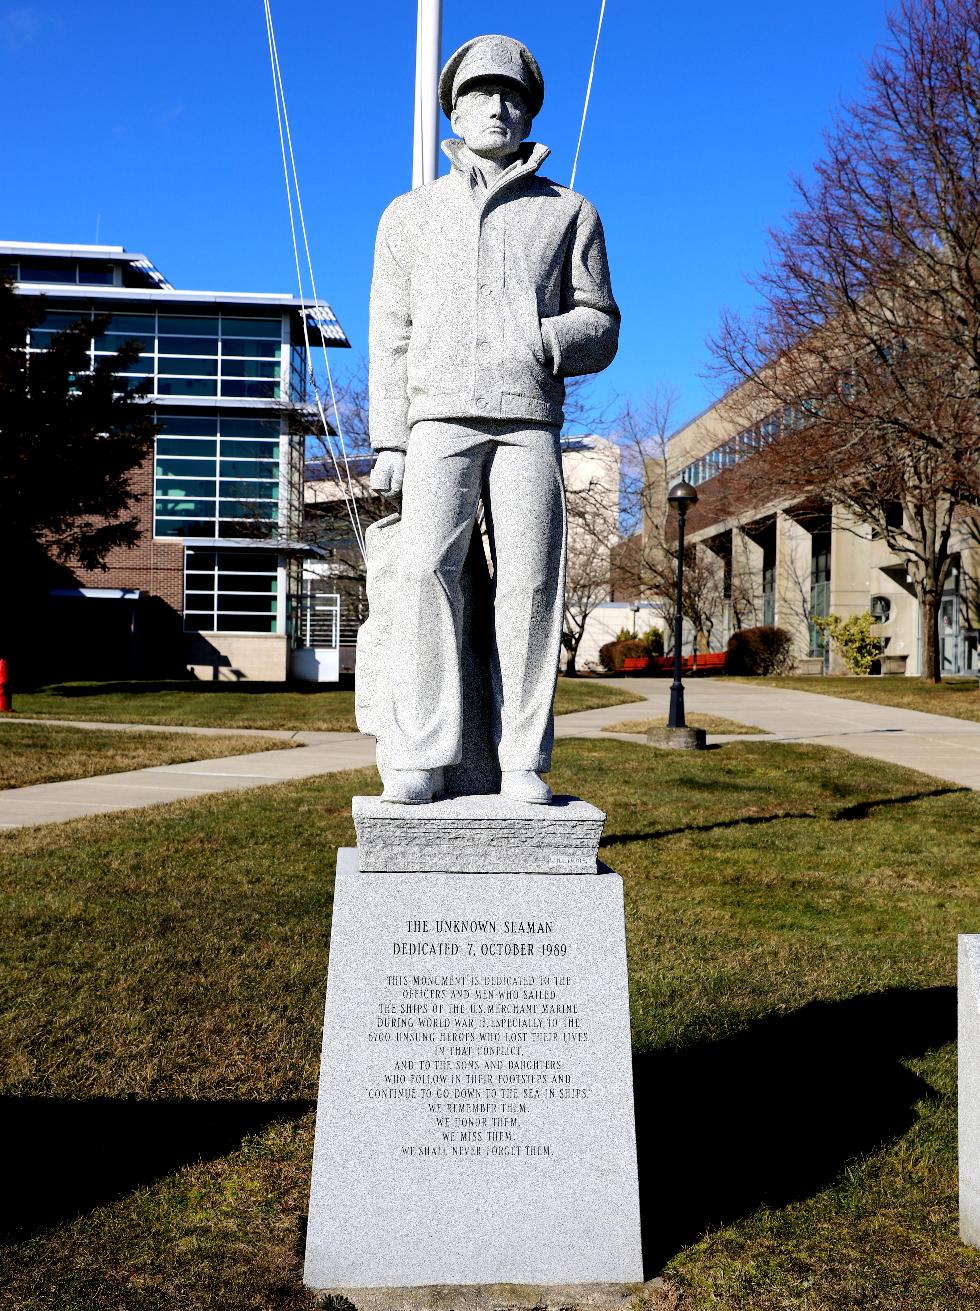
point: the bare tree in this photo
(643, 431)
(862, 367)
(592, 501)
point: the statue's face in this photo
(492, 118)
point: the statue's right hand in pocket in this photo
(388, 473)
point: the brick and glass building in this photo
(216, 577)
(785, 560)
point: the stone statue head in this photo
(497, 59)
(492, 117)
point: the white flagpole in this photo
(428, 60)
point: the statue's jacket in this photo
(483, 301)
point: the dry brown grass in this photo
(50, 753)
(715, 724)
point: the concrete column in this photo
(746, 606)
(794, 555)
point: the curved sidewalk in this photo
(944, 747)
(51, 803)
(939, 745)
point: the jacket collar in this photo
(530, 157)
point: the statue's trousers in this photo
(516, 467)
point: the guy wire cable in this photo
(588, 93)
(285, 138)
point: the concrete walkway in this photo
(50, 803)
(935, 744)
(939, 745)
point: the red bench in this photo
(703, 662)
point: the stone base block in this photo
(475, 1113)
(680, 739)
(498, 1297)
(479, 834)
(968, 1057)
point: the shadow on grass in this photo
(82, 1154)
(771, 1115)
(744, 821)
(864, 808)
(861, 810)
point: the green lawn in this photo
(257, 705)
(45, 753)
(791, 933)
(959, 697)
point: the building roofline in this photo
(65, 248)
(321, 319)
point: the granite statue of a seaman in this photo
(490, 287)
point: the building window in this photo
(216, 475)
(92, 272)
(230, 592)
(207, 355)
(819, 589)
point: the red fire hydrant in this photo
(5, 695)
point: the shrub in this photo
(858, 647)
(625, 635)
(653, 640)
(613, 655)
(757, 651)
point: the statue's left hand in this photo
(388, 473)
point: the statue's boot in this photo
(524, 785)
(412, 787)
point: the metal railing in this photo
(315, 618)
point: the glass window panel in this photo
(206, 346)
(193, 425)
(248, 583)
(189, 325)
(249, 490)
(133, 325)
(246, 528)
(185, 527)
(252, 349)
(182, 508)
(234, 426)
(254, 390)
(248, 368)
(186, 446)
(246, 562)
(184, 487)
(61, 272)
(188, 387)
(95, 272)
(185, 468)
(111, 341)
(199, 600)
(40, 338)
(251, 327)
(249, 450)
(62, 318)
(248, 468)
(247, 510)
(200, 559)
(169, 364)
(256, 605)
(246, 623)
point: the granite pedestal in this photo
(968, 1060)
(475, 1113)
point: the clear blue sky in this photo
(157, 122)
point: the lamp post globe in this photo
(682, 496)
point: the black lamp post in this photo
(681, 496)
